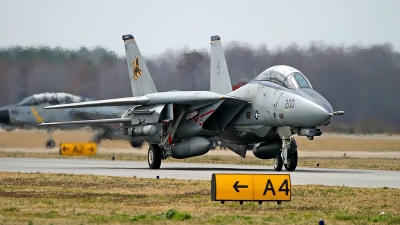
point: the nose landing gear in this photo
(285, 159)
(278, 163)
(292, 162)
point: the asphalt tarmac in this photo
(194, 171)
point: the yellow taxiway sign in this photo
(250, 187)
(87, 148)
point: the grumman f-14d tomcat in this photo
(266, 112)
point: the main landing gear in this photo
(162, 151)
(154, 156)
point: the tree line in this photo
(361, 80)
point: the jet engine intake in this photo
(270, 149)
(189, 148)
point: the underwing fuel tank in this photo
(189, 148)
(272, 148)
(146, 130)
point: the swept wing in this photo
(188, 98)
(116, 120)
(176, 97)
(107, 102)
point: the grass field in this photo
(336, 142)
(87, 199)
(326, 142)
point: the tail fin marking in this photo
(141, 81)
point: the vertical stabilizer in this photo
(220, 80)
(141, 81)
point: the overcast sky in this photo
(161, 25)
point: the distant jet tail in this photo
(141, 81)
(220, 80)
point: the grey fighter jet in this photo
(266, 112)
(30, 111)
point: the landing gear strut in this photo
(285, 159)
(284, 150)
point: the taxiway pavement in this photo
(194, 171)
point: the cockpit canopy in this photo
(286, 76)
(51, 98)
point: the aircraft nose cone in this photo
(313, 114)
(321, 115)
(4, 117)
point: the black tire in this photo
(292, 162)
(278, 163)
(154, 157)
(50, 144)
(296, 156)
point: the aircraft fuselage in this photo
(275, 106)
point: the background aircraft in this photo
(30, 111)
(267, 111)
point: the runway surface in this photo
(193, 171)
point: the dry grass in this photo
(37, 138)
(351, 163)
(326, 142)
(331, 142)
(89, 199)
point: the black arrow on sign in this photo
(236, 186)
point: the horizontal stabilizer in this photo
(116, 120)
(108, 102)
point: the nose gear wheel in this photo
(278, 163)
(292, 162)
